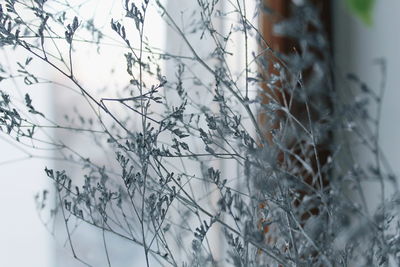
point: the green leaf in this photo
(363, 9)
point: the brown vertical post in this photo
(278, 44)
(281, 9)
(283, 45)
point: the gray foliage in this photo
(203, 181)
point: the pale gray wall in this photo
(24, 240)
(356, 46)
